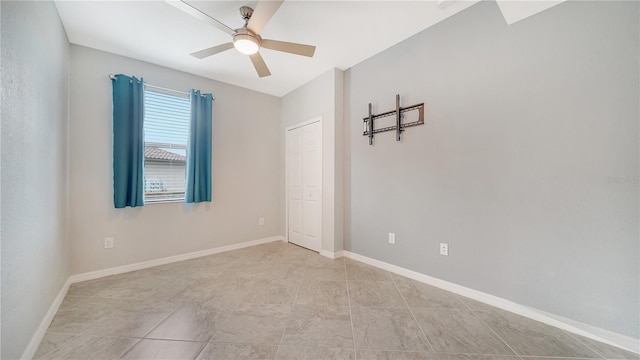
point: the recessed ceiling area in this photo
(344, 33)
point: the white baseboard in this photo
(331, 255)
(53, 309)
(589, 331)
(600, 334)
(31, 349)
(167, 260)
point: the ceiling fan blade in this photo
(262, 14)
(288, 47)
(258, 63)
(212, 50)
(181, 5)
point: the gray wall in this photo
(321, 97)
(527, 164)
(35, 68)
(246, 183)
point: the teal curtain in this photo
(128, 141)
(199, 149)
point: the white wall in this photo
(527, 164)
(35, 246)
(246, 181)
(321, 97)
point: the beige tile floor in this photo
(280, 301)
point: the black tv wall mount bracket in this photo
(399, 127)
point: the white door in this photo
(304, 185)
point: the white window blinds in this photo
(166, 132)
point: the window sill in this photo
(149, 202)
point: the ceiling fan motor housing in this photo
(246, 41)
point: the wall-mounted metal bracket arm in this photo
(399, 127)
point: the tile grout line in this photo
(234, 308)
(183, 305)
(252, 287)
(74, 305)
(203, 343)
(201, 349)
(168, 316)
(353, 333)
(128, 301)
(473, 313)
(463, 303)
(467, 307)
(411, 312)
(230, 310)
(131, 300)
(295, 299)
(160, 322)
(486, 325)
(155, 326)
(131, 347)
(247, 292)
(306, 265)
(523, 357)
(587, 346)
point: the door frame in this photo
(286, 174)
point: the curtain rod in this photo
(113, 77)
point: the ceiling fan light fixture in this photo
(246, 43)
(247, 39)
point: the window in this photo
(166, 133)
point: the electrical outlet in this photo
(392, 238)
(444, 249)
(443, 4)
(261, 221)
(108, 243)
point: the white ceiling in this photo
(514, 11)
(345, 33)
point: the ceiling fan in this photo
(247, 39)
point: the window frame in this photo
(177, 94)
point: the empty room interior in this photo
(442, 180)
